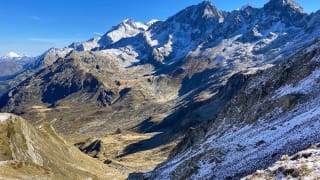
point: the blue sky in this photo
(33, 26)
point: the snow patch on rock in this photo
(4, 117)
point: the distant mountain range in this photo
(222, 93)
(14, 57)
(11, 55)
(13, 63)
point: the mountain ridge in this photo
(161, 52)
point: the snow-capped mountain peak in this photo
(125, 29)
(12, 55)
(134, 24)
(13, 59)
(204, 10)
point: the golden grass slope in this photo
(30, 153)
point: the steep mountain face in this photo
(30, 153)
(275, 113)
(171, 40)
(289, 11)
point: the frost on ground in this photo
(241, 149)
(303, 87)
(4, 117)
(303, 165)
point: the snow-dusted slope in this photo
(276, 113)
(303, 165)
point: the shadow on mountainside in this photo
(190, 115)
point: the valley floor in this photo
(110, 150)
